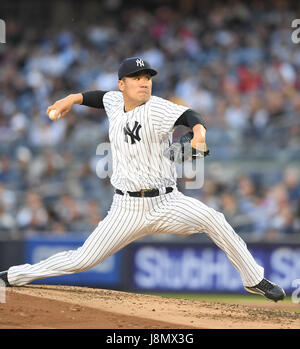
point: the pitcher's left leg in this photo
(188, 215)
(191, 215)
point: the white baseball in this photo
(52, 114)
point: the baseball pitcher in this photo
(146, 199)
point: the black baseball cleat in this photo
(268, 289)
(3, 277)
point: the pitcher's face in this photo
(136, 89)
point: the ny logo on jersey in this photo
(133, 134)
(140, 62)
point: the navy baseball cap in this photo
(134, 65)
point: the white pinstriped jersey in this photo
(138, 139)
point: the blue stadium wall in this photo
(159, 266)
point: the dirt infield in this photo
(66, 307)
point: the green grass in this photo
(229, 298)
(215, 297)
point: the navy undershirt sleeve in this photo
(93, 99)
(190, 118)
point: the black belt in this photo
(144, 193)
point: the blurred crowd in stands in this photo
(232, 61)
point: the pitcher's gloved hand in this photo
(183, 150)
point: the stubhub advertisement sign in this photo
(206, 268)
(107, 273)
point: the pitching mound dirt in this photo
(66, 307)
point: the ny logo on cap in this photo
(140, 62)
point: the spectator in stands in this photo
(32, 216)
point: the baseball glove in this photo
(181, 151)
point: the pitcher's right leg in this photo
(119, 228)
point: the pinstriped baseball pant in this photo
(131, 218)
